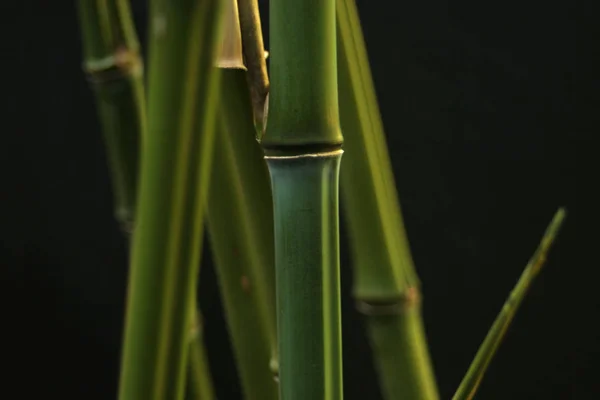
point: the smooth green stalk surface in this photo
(303, 103)
(173, 186)
(114, 68)
(302, 144)
(472, 379)
(240, 225)
(386, 286)
(305, 198)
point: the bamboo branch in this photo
(173, 189)
(302, 146)
(386, 286)
(254, 55)
(487, 350)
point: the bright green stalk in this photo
(114, 68)
(173, 186)
(386, 286)
(240, 224)
(302, 147)
(472, 379)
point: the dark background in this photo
(489, 109)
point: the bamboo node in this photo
(123, 64)
(387, 307)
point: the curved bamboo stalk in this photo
(386, 286)
(487, 350)
(173, 189)
(302, 146)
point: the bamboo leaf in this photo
(488, 348)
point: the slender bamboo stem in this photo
(254, 54)
(487, 350)
(386, 286)
(302, 146)
(240, 224)
(114, 68)
(173, 185)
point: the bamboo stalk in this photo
(240, 227)
(173, 187)
(386, 286)
(302, 146)
(488, 348)
(114, 69)
(105, 26)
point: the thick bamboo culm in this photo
(114, 68)
(487, 350)
(174, 178)
(386, 286)
(302, 145)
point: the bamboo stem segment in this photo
(305, 197)
(386, 286)
(488, 348)
(114, 69)
(173, 187)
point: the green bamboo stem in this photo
(240, 225)
(254, 55)
(488, 348)
(302, 146)
(114, 68)
(386, 286)
(173, 188)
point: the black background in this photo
(489, 109)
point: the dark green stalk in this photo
(240, 224)
(254, 55)
(386, 286)
(173, 188)
(302, 147)
(114, 68)
(472, 379)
